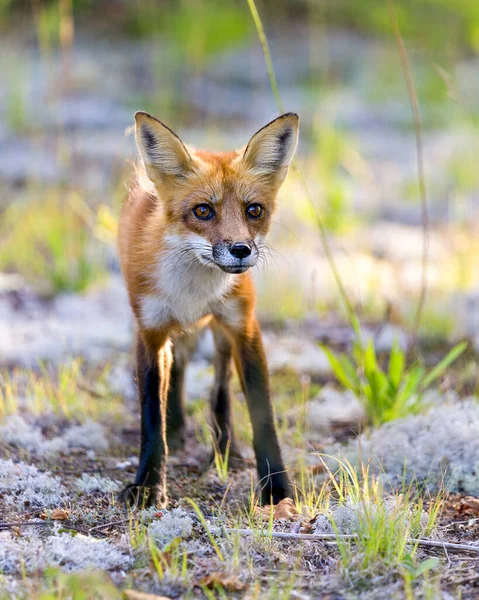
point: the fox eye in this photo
(203, 212)
(254, 211)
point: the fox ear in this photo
(271, 149)
(163, 153)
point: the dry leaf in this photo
(57, 514)
(227, 582)
(16, 531)
(133, 595)
(306, 528)
(283, 510)
(471, 502)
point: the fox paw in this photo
(277, 488)
(141, 496)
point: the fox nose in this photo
(240, 250)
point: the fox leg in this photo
(220, 400)
(252, 368)
(153, 370)
(183, 347)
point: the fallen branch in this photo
(329, 538)
(21, 524)
(96, 528)
(333, 538)
(106, 525)
(5, 526)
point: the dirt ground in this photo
(69, 441)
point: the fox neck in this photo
(184, 288)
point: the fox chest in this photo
(183, 296)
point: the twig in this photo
(420, 166)
(97, 528)
(5, 526)
(445, 545)
(81, 470)
(21, 524)
(91, 392)
(469, 579)
(106, 525)
(333, 538)
(328, 538)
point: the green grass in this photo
(57, 585)
(437, 24)
(170, 563)
(199, 30)
(384, 529)
(334, 164)
(389, 393)
(65, 390)
(49, 243)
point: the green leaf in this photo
(370, 363)
(426, 565)
(408, 563)
(350, 370)
(410, 385)
(439, 369)
(396, 365)
(378, 384)
(358, 353)
(339, 370)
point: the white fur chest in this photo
(184, 291)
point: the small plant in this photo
(74, 586)
(385, 529)
(221, 460)
(310, 497)
(387, 394)
(207, 529)
(172, 562)
(65, 390)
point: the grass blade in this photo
(439, 369)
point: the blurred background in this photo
(72, 73)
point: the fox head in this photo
(219, 205)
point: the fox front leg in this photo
(253, 371)
(153, 370)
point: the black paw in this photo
(141, 496)
(275, 488)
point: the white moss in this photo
(64, 550)
(90, 484)
(349, 518)
(442, 445)
(173, 524)
(18, 432)
(88, 435)
(24, 485)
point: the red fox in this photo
(193, 225)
